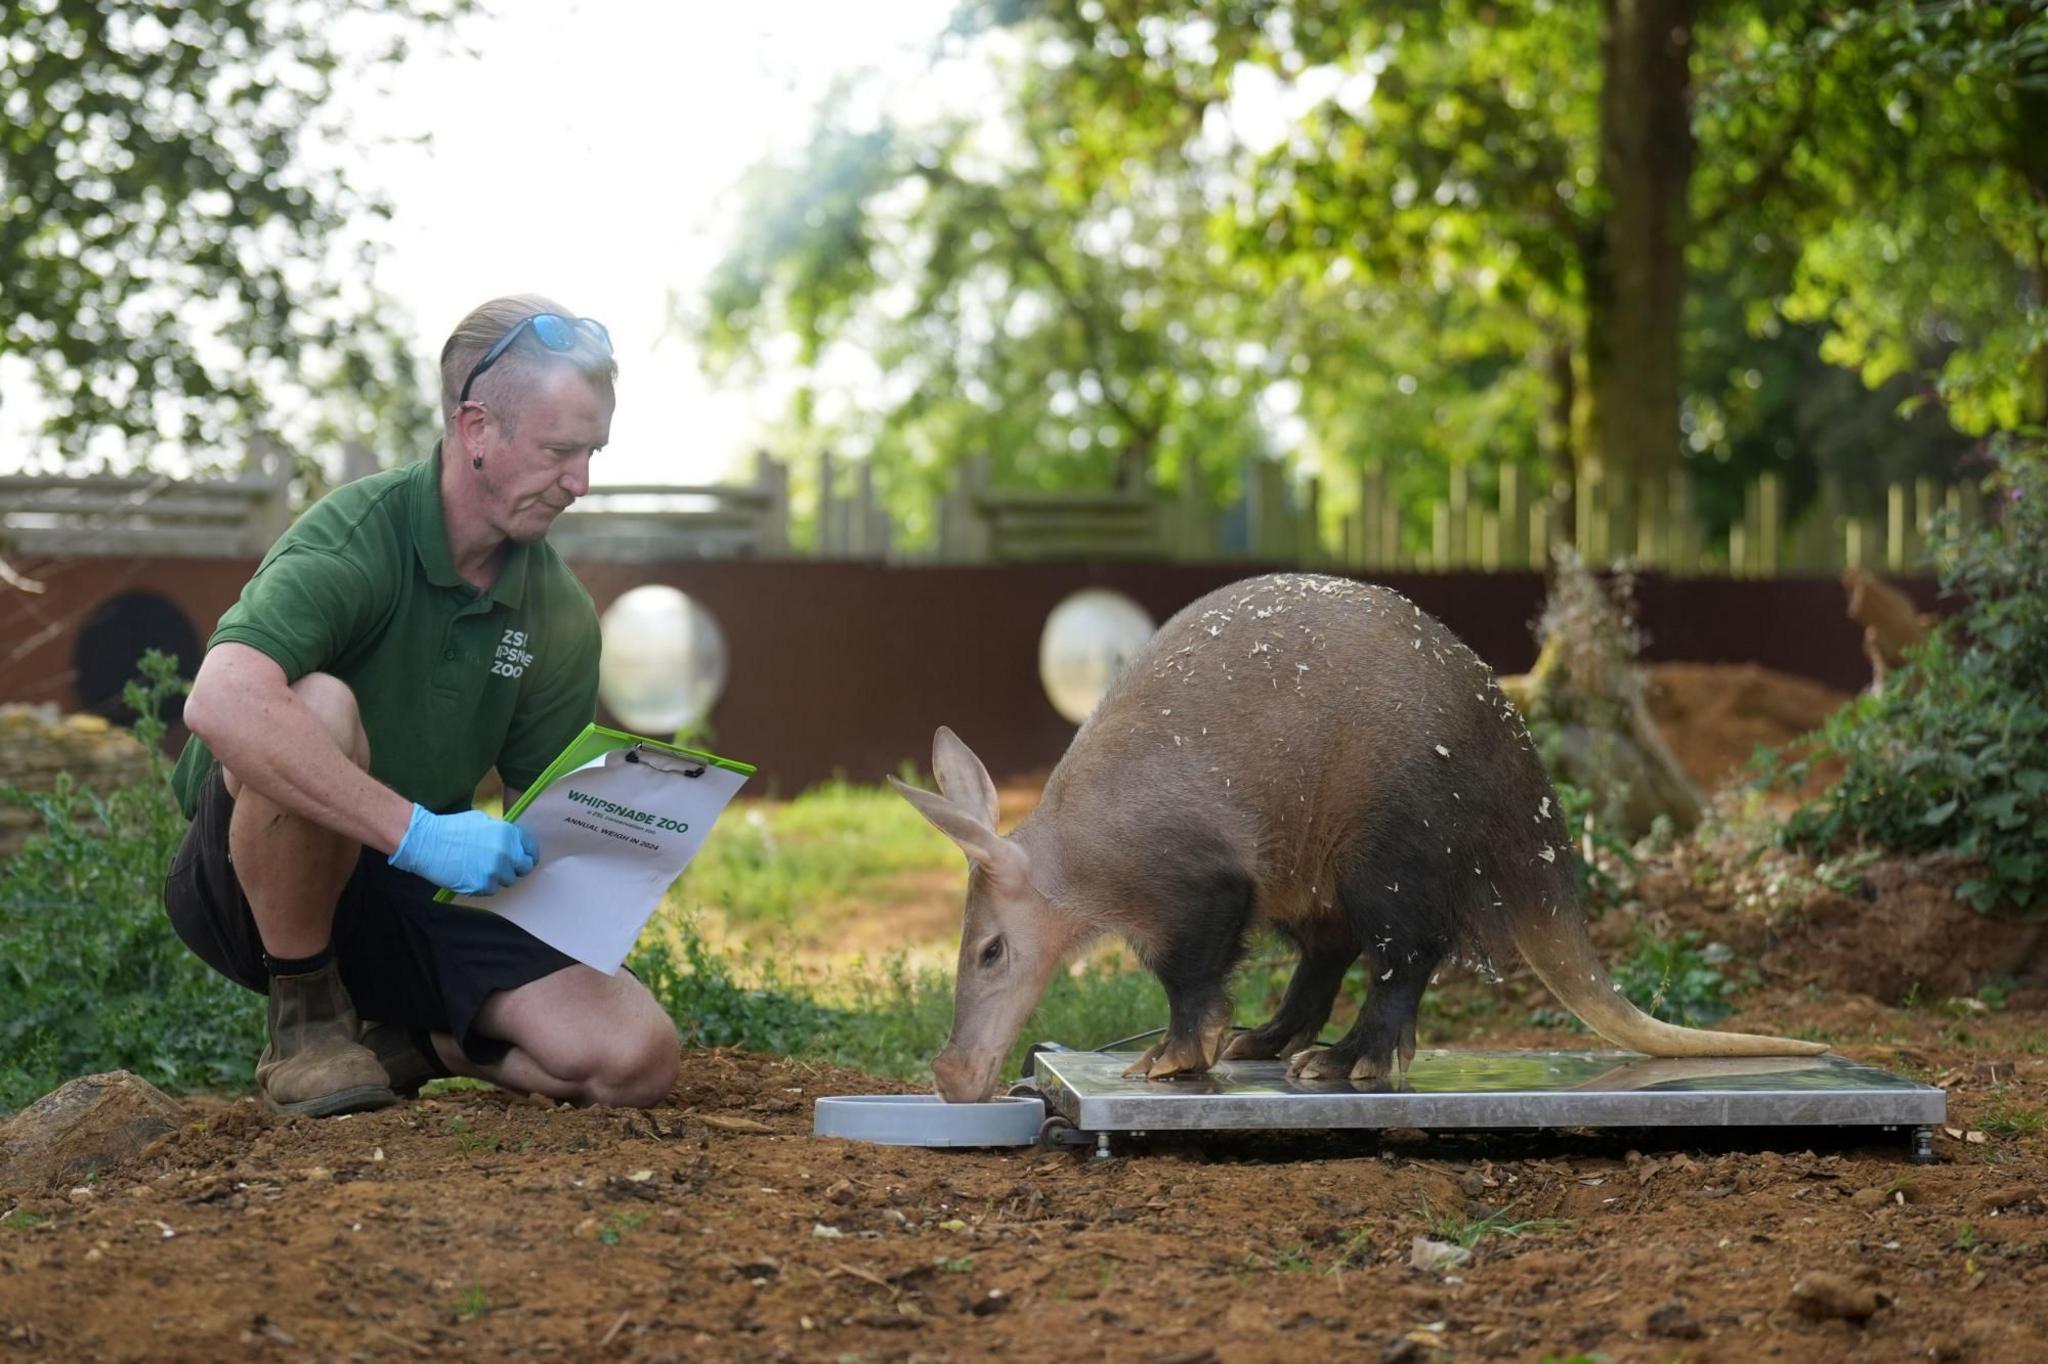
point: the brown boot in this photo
(313, 1064)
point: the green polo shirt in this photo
(450, 681)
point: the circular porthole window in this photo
(112, 641)
(1088, 639)
(664, 661)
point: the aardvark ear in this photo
(962, 777)
(976, 838)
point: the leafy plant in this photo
(1954, 753)
(92, 975)
(712, 1008)
(1602, 863)
(1678, 980)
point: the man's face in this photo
(530, 477)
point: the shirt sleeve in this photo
(303, 609)
(559, 701)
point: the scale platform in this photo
(1448, 1090)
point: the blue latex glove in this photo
(470, 853)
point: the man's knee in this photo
(640, 1072)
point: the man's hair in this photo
(499, 387)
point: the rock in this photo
(2013, 1196)
(1820, 1296)
(1869, 1199)
(83, 1127)
(1674, 1322)
(1435, 1257)
(37, 745)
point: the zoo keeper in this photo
(411, 631)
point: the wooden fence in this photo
(143, 514)
(1276, 519)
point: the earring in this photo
(476, 461)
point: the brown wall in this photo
(847, 667)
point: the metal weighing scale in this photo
(1087, 1100)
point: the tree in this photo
(1472, 234)
(1930, 164)
(170, 261)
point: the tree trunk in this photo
(1635, 278)
(1559, 444)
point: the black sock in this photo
(298, 966)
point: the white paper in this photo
(613, 835)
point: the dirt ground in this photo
(477, 1225)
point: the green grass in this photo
(2006, 1119)
(616, 1227)
(885, 1020)
(1468, 1232)
(770, 865)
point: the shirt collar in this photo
(430, 540)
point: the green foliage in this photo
(1906, 218)
(712, 1008)
(168, 247)
(1677, 980)
(472, 1303)
(1181, 235)
(2007, 1119)
(837, 843)
(1680, 981)
(1954, 753)
(1599, 886)
(1469, 1231)
(92, 976)
(618, 1225)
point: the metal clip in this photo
(633, 756)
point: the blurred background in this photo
(1688, 358)
(1133, 297)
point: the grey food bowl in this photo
(927, 1120)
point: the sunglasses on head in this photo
(555, 332)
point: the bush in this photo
(711, 1008)
(1954, 753)
(1679, 981)
(1675, 979)
(92, 975)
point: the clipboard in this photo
(594, 742)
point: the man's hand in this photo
(470, 853)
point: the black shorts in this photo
(404, 958)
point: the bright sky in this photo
(588, 150)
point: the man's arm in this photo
(243, 707)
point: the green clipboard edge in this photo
(594, 742)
